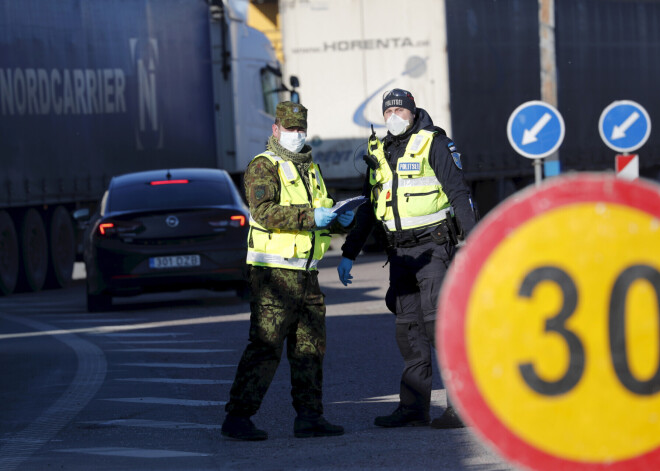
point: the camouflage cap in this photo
(291, 115)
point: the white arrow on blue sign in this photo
(535, 129)
(624, 126)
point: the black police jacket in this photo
(446, 171)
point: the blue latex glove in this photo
(323, 217)
(344, 270)
(346, 218)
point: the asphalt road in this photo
(142, 386)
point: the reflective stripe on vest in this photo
(271, 259)
(287, 168)
(408, 182)
(418, 221)
(318, 175)
(285, 165)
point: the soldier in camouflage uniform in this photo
(290, 226)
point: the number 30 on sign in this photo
(549, 326)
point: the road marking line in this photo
(366, 308)
(372, 400)
(173, 350)
(146, 325)
(89, 377)
(133, 452)
(176, 380)
(97, 321)
(167, 400)
(153, 424)
(157, 342)
(178, 365)
(438, 398)
(143, 334)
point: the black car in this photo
(166, 230)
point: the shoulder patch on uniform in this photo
(457, 160)
(260, 192)
(455, 154)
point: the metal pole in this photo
(538, 173)
(548, 69)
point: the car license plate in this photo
(175, 261)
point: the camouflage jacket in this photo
(262, 190)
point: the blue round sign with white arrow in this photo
(535, 129)
(624, 126)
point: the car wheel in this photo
(98, 302)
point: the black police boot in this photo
(242, 428)
(315, 426)
(403, 417)
(449, 419)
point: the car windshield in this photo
(194, 194)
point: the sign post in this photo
(549, 326)
(535, 130)
(625, 126)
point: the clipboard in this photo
(348, 204)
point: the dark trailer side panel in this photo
(94, 88)
(606, 50)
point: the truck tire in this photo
(8, 254)
(62, 245)
(33, 251)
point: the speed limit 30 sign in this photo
(549, 326)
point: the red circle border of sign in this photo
(456, 290)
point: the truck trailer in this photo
(90, 89)
(470, 64)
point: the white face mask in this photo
(292, 141)
(396, 124)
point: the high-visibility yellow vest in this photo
(296, 250)
(412, 196)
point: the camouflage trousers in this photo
(286, 305)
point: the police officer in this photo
(290, 226)
(414, 181)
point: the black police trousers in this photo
(416, 275)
